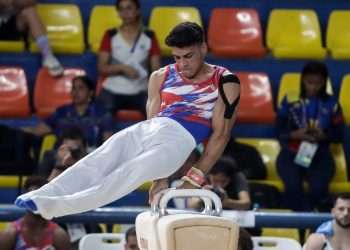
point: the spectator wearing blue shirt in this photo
(84, 113)
(306, 125)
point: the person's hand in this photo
(318, 134)
(302, 134)
(157, 186)
(130, 72)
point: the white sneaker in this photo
(53, 65)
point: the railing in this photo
(127, 215)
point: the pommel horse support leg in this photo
(186, 230)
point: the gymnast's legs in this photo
(149, 150)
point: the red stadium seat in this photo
(14, 98)
(52, 92)
(123, 115)
(235, 33)
(256, 104)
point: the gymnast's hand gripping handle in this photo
(208, 197)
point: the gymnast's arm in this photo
(221, 129)
(154, 84)
(315, 242)
(153, 108)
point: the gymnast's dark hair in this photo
(314, 68)
(184, 35)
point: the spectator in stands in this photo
(51, 164)
(306, 125)
(92, 118)
(229, 183)
(19, 16)
(32, 231)
(333, 234)
(131, 239)
(127, 56)
(248, 159)
(245, 241)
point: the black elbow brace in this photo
(229, 108)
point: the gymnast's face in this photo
(341, 212)
(189, 60)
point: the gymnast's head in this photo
(187, 42)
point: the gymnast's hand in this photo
(157, 186)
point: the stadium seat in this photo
(339, 182)
(294, 34)
(274, 243)
(47, 144)
(64, 28)
(268, 149)
(102, 241)
(52, 92)
(338, 34)
(163, 19)
(290, 85)
(102, 18)
(235, 33)
(256, 103)
(344, 98)
(123, 115)
(14, 97)
(12, 46)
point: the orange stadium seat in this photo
(64, 28)
(338, 34)
(256, 103)
(103, 17)
(52, 92)
(163, 19)
(123, 115)
(235, 33)
(294, 34)
(14, 97)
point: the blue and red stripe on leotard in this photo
(190, 104)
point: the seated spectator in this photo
(72, 137)
(306, 125)
(131, 239)
(127, 56)
(333, 234)
(229, 183)
(19, 16)
(250, 161)
(92, 118)
(32, 231)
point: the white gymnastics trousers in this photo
(146, 151)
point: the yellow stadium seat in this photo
(294, 34)
(339, 183)
(9, 181)
(12, 46)
(103, 17)
(344, 98)
(48, 143)
(3, 226)
(64, 28)
(338, 34)
(290, 85)
(163, 19)
(268, 149)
